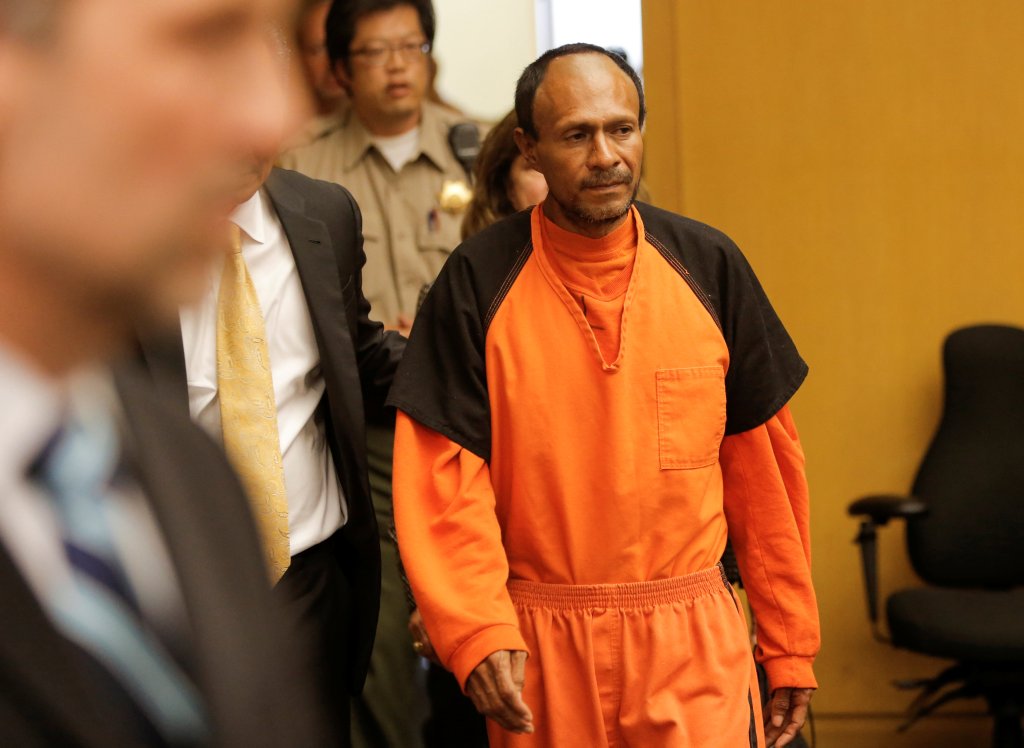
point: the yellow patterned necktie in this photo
(248, 409)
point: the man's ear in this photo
(527, 147)
(342, 75)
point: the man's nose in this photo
(396, 59)
(603, 155)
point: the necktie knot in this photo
(76, 467)
(79, 460)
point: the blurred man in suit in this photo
(136, 608)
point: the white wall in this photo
(481, 47)
(607, 23)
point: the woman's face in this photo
(526, 187)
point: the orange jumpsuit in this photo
(586, 525)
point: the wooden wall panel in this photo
(868, 156)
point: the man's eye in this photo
(410, 48)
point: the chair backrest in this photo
(972, 476)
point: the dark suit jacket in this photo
(253, 691)
(324, 228)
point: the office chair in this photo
(965, 536)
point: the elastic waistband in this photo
(629, 595)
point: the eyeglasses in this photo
(379, 53)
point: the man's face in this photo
(387, 97)
(121, 138)
(589, 146)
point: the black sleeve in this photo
(442, 382)
(765, 369)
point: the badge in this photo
(455, 196)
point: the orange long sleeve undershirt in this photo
(766, 504)
(451, 547)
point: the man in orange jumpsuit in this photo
(593, 400)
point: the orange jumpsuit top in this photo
(523, 452)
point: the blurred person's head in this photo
(323, 82)
(580, 110)
(379, 50)
(117, 178)
(504, 183)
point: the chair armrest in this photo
(883, 507)
(877, 510)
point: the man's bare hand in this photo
(420, 639)
(496, 688)
(785, 715)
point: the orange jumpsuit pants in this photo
(600, 687)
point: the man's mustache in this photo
(609, 177)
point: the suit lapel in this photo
(177, 491)
(167, 489)
(319, 274)
(165, 359)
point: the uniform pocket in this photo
(436, 239)
(691, 416)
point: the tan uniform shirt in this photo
(407, 235)
(317, 127)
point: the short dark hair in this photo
(533, 76)
(345, 14)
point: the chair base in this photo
(1007, 714)
(1002, 687)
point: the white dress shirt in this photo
(316, 506)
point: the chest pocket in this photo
(691, 416)
(436, 238)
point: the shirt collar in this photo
(249, 218)
(434, 137)
(355, 140)
(32, 404)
